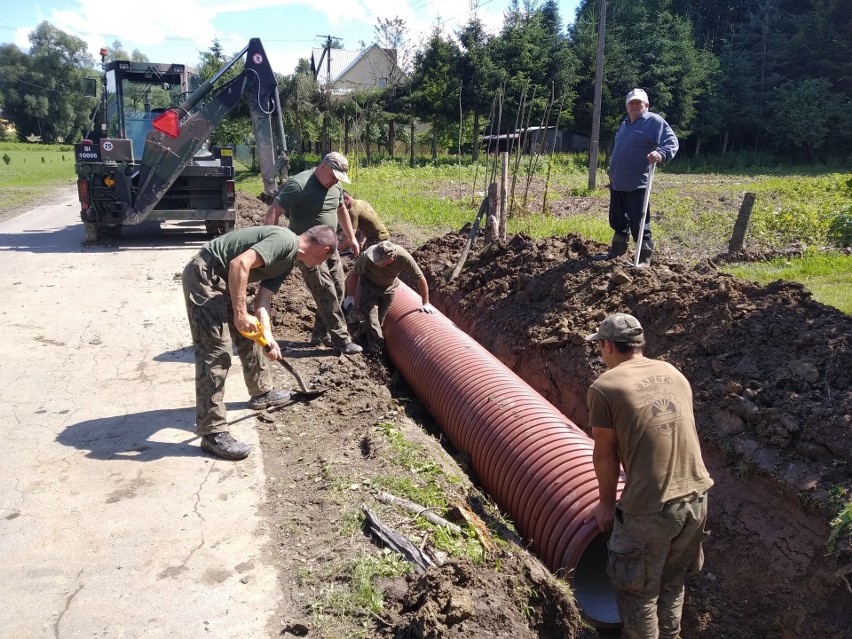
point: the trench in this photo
(765, 551)
(534, 462)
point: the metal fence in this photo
(244, 153)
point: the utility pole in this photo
(325, 142)
(594, 145)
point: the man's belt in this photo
(208, 258)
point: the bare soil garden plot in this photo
(771, 370)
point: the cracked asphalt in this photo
(113, 523)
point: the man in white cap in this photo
(311, 198)
(640, 413)
(376, 274)
(642, 139)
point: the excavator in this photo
(147, 157)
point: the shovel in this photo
(644, 214)
(304, 392)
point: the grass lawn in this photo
(828, 276)
(692, 209)
(26, 170)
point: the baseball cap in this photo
(619, 327)
(382, 251)
(339, 165)
(636, 94)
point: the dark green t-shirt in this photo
(276, 246)
(308, 203)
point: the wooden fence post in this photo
(504, 177)
(741, 225)
(492, 223)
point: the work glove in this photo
(348, 304)
(428, 308)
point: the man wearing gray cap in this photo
(642, 139)
(376, 274)
(311, 198)
(640, 413)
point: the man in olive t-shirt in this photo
(308, 199)
(214, 287)
(365, 221)
(640, 413)
(376, 274)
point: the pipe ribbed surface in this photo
(533, 461)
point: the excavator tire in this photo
(101, 233)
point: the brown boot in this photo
(618, 248)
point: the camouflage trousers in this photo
(325, 282)
(211, 321)
(373, 304)
(649, 558)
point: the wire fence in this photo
(244, 154)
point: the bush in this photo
(299, 162)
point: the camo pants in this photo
(325, 282)
(649, 558)
(211, 321)
(373, 304)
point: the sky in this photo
(176, 31)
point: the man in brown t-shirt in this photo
(369, 229)
(640, 413)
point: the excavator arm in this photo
(180, 132)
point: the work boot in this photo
(224, 446)
(268, 399)
(349, 348)
(645, 253)
(618, 248)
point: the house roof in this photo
(342, 60)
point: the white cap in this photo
(636, 94)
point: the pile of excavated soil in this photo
(771, 370)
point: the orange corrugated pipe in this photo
(534, 462)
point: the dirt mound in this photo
(771, 370)
(772, 374)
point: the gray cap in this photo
(382, 251)
(619, 327)
(636, 94)
(339, 165)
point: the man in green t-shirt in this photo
(214, 289)
(307, 199)
(640, 413)
(369, 229)
(376, 275)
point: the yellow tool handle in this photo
(256, 335)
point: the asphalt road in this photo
(113, 523)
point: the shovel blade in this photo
(308, 394)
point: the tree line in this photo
(759, 75)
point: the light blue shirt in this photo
(628, 167)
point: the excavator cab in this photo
(147, 156)
(135, 93)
